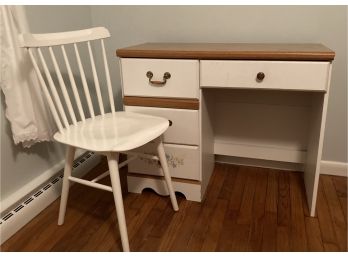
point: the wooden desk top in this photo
(233, 51)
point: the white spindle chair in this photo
(107, 133)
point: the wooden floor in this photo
(246, 209)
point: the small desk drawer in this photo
(184, 128)
(281, 75)
(183, 161)
(183, 81)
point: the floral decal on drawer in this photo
(173, 161)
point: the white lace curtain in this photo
(25, 107)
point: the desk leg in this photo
(314, 149)
(207, 159)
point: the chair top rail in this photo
(62, 38)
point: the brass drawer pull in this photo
(158, 83)
(260, 76)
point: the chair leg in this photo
(69, 158)
(116, 189)
(164, 164)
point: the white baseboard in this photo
(334, 168)
(24, 211)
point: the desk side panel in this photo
(315, 147)
(206, 139)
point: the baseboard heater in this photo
(14, 219)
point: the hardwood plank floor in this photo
(246, 209)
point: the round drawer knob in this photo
(170, 123)
(260, 76)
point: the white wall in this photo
(24, 169)
(131, 25)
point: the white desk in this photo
(255, 101)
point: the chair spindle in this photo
(108, 80)
(53, 90)
(62, 86)
(96, 80)
(84, 82)
(73, 84)
(45, 90)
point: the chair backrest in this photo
(60, 40)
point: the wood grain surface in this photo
(192, 104)
(246, 209)
(229, 51)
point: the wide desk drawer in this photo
(183, 161)
(149, 77)
(281, 75)
(184, 127)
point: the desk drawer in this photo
(183, 161)
(183, 81)
(184, 128)
(281, 75)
